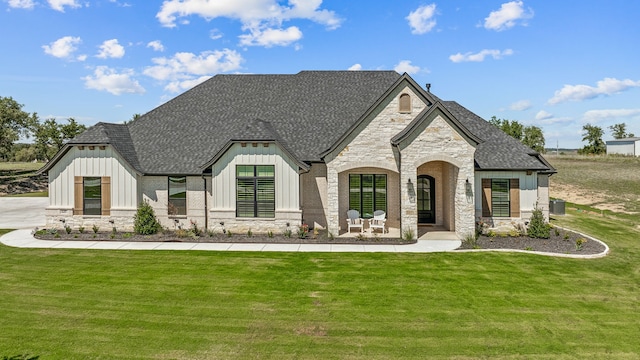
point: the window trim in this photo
(374, 193)
(513, 193)
(79, 198)
(257, 184)
(177, 213)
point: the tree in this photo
(593, 136)
(51, 136)
(511, 127)
(619, 131)
(13, 123)
(531, 136)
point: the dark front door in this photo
(426, 200)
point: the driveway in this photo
(22, 212)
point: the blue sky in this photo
(554, 64)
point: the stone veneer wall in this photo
(369, 147)
(155, 192)
(440, 142)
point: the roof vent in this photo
(428, 87)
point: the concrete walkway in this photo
(25, 214)
(23, 239)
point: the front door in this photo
(426, 200)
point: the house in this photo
(624, 146)
(267, 152)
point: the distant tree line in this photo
(49, 135)
(530, 135)
(533, 137)
(593, 136)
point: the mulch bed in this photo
(170, 236)
(562, 242)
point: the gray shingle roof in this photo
(306, 113)
(497, 151)
(308, 110)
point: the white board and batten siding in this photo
(94, 162)
(286, 176)
(528, 188)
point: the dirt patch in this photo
(582, 196)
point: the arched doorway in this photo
(426, 199)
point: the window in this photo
(177, 195)
(255, 191)
(500, 197)
(405, 103)
(92, 196)
(368, 193)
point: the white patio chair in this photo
(378, 221)
(354, 220)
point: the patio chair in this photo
(378, 221)
(354, 220)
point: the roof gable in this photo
(422, 121)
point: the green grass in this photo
(615, 177)
(32, 194)
(89, 304)
(20, 166)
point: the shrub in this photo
(538, 228)
(287, 233)
(67, 229)
(144, 221)
(81, 229)
(471, 240)
(249, 233)
(579, 242)
(270, 234)
(95, 228)
(303, 230)
(408, 235)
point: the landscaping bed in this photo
(560, 241)
(217, 237)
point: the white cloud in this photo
(405, 66)
(63, 48)
(478, 57)
(215, 34)
(507, 16)
(271, 37)
(543, 115)
(184, 70)
(421, 20)
(262, 18)
(520, 105)
(156, 45)
(248, 11)
(607, 86)
(60, 4)
(177, 86)
(107, 79)
(21, 4)
(594, 116)
(111, 49)
(355, 67)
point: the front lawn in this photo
(97, 304)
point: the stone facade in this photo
(438, 150)
(439, 142)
